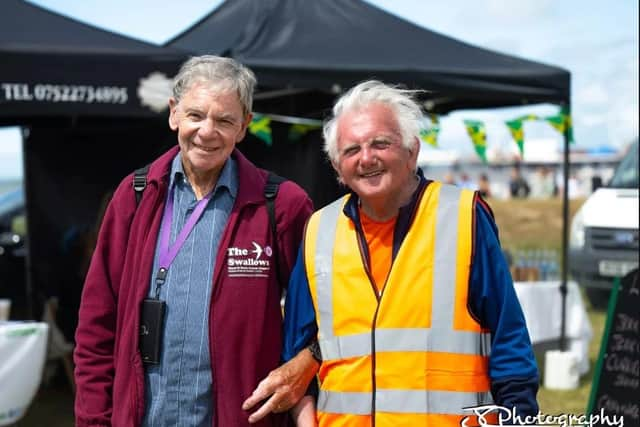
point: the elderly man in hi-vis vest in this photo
(403, 284)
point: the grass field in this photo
(576, 401)
(530, 223)
(535, 224)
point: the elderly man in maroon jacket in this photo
(193, 264)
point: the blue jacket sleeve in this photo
(493, 300)
(300, 327)
(299, 316)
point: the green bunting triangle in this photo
(430, 135)
(297, 131)
(478, 133)
(562, 122)
(517, 132)
(260, 126)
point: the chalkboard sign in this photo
(616, 382)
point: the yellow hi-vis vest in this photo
(412, 355)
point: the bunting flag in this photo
(562, 122)
(517, 132)
(430, 135)
(528, 117)
(564, 111)
(298, 130)
(260, 126)
(478, 134)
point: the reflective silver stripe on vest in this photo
(444, 276)
(444, 264)
(323, 264)
(401, 401)
(401, 339)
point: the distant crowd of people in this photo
(543, 183)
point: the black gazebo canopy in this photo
(56, 66)
(327, 46)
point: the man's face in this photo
(209, 122)
(371, 158)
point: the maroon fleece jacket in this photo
(245, 323)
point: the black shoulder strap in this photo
(270, 193)
(140, 182)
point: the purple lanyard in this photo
(168, 252)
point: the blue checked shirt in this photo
(178, 390)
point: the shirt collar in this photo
(228, 178)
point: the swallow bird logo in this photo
(257, 250)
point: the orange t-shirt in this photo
(379, 237)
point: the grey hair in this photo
(401, 101)
(216, 70)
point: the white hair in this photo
(401, 101)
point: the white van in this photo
(603, 243)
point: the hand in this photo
(283, 387)
(304, 412)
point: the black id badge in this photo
(151, 324)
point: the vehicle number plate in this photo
(615, 268)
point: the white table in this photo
(542, 306)
(23, 348)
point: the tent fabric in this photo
(70, 171)
(53, 65)
(94, 104)
(328, 46)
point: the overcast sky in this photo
(597, 41)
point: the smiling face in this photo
(372, 160)
(210, 122)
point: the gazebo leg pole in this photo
(565, 236)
